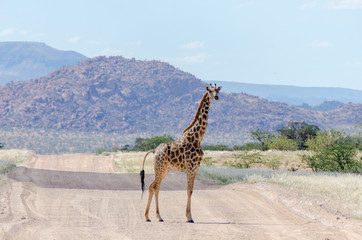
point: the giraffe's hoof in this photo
(161, 220)
(148, 220)
(190, 221)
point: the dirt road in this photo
(84, 197)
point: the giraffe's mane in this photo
(197, 113)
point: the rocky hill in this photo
(22, 61)
(129, 96)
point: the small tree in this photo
(1, 145)
(125, 148)
(244, 160)
(261, 136)
(299, 132)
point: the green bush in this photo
(146, 144)
(340, 156)
(282, 144)
(324, 140)
(272, 163)
(6, 166)
(244, 160)
(103, 151)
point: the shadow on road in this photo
(97, 181)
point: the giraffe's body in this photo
(182, 154)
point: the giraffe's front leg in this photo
(190, 187)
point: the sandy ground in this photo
(84, 197)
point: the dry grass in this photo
(286, 160)
(337, 192)
(131, 162)
(11, 158)
(15, 155)
(340, 191)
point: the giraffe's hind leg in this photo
(157, 208)
(157, 190)
(150, 195)
(161, 171)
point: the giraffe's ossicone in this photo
(182, 154)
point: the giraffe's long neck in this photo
(196, 130)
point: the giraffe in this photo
(183, 154)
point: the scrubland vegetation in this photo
(330, 150)
(5, 166)
(11, 158)
(327, 166)
(317, 150)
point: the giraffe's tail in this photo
(142, 173)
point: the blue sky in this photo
(298, 42)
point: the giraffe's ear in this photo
(207, 88)
(219, 88)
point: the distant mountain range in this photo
(128, 96)
(22, 61)
(295, 95)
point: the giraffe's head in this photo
(213, 91)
